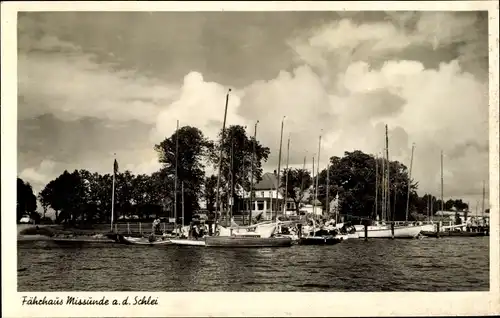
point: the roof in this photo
(269, 181)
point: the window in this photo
(262, 194)
(260, 205)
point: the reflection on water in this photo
(446, 264)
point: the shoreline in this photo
(61, 234)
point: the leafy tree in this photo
(210, 192)
(150, 193)
(237, 152)
(193, 149)
(26, 200)
(124, 193)
(353, 178)
(299, 180)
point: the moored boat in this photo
(321, 240)
(354, 235)
(407, 231)
(80, 240)
(143, 240)
(241, 241)
(188, 242)
(262, 230)
(452, 233)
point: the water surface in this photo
(445, 264)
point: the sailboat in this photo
(260, 230)
(258, 235)
(382, 229)
(451, 230)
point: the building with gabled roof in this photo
(267, 199)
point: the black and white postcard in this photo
(250, 158)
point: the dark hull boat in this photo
(453, 233)
(235, 241)
(320, 240)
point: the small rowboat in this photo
(143, 240)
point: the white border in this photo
(241, 304)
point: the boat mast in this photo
(314, 206)
(251, 173)
(442, 184)
(376, 186)
(382, 185)
(231, 201)
(115, 168)
(217, 197)
(302, 182)
(303, 170)
(176, 171)
(482, 205)
(317, 176)
(327, 205)
(432, 207)
(428, 208)
(182, 194)
(279, 167)
(286, 176)
(409, 182)
(388, 179)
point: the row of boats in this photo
(287, 233)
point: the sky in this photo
(91, 84)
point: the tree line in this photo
(83, 196)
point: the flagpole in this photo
(115, 164)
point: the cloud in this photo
(420, 73)
(57, 77)
(39, 176)
(200, 104)
(343, 92)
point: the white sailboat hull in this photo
(188, 242)
(259, 230)
(428, 227)
(399, 232)
(352, 235)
